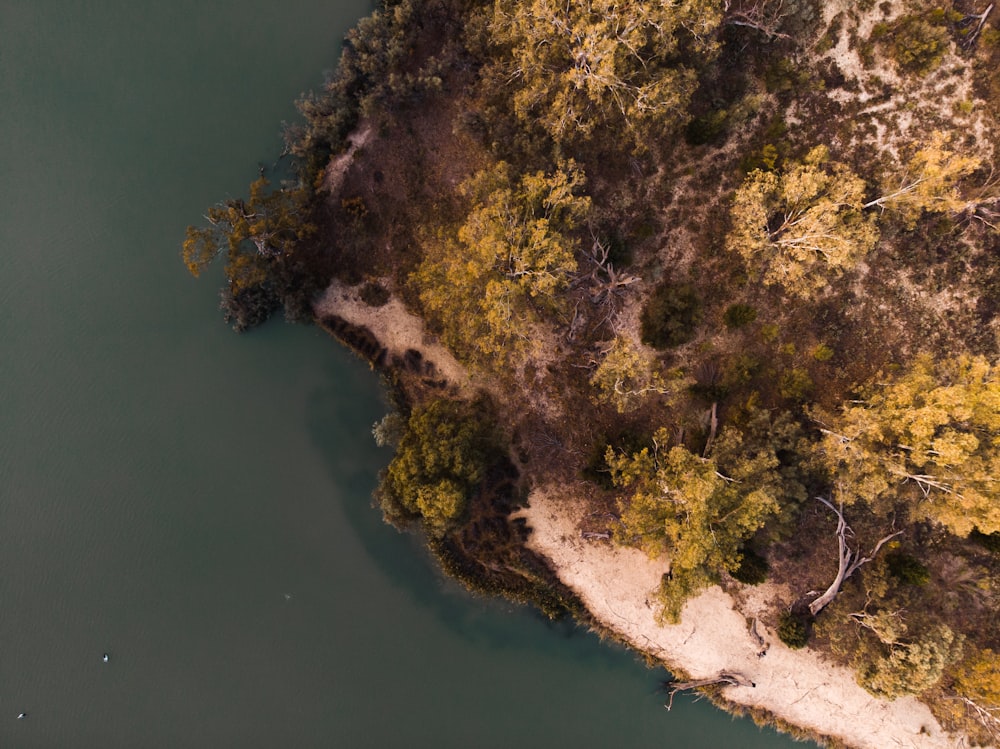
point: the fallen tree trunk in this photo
(849, 560)
(726, 678)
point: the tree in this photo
(804, 226)
(931, 438)
(627, 374)
(978, 687)
(684, 506)
(440, 461)
(670, 316)
(509, 262)
(250, 232)
(580, 64)
(912, 667)
(928, 183)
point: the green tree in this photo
(912, 667)
(685, 506)
(250, 233)
(804, 226)
(670, 316)
(511, 259)
(441, 459)
(578, 65)
(929, 437)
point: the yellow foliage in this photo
(508, 263)
(626, 375)
(578, 64)
(934, 431)
(682, 505)
(929, 182)
(802, 227)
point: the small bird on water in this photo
(106, 658)
(22, 716)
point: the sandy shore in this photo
(617, 586)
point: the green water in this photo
(196, 503)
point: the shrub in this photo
(793, 630)
(919, 45)
(374, 294)
(907, 569)
(822, 352)
(739, 315)
(671, 316)
(795, 385)
(753, 568)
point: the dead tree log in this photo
(848, 560)
(762, 644)
(980, 20)
(726, 678)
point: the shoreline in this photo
(796, 690)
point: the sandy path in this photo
(395, 327)
(617, 585)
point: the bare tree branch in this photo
(848, 560)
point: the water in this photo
(194, 503)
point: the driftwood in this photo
(849, 560)
(762, 644)
(726, 678)
(595, 534)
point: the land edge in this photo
(795, 691)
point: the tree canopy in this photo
(440, 460)
(929, 437)
(512, 256)
(803, 226)
(580, 64)
(928, 183)
(685, 506)
(266, 225)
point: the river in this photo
(194, 503)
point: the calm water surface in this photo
(195, 503)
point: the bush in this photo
(918, 45)
(795, 385)
(793, 630)
(907, 569)
(822, 352)
(739, 315)
(671, 316)
(753, 568)
(374, 294)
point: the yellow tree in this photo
(685, 506)
(510, 260)
(804, 226)
(931, 438)
(929, 182)
(249, 232)
(579, 63)
(977, 685)
(627, 374)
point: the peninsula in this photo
(690, 312)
